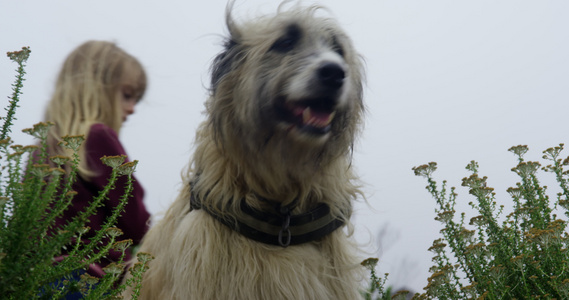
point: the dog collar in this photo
(281, 229)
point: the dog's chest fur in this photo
(216, 262)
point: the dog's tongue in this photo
(312, 117)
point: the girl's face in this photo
(129, 93)
(129, 97)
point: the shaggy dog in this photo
(264, 211)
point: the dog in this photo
(265, 205)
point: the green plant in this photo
(32, 195)
(521, 253)
(377, 285)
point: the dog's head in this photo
(291, 81)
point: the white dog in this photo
(264, 212)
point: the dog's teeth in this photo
(316, 120)
(327, 121)
(330, 118)
(307, 116)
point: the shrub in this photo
(520, 253)
(377, 286)
(32, 195)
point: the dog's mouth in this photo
(312, 116)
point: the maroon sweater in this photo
(101, 141)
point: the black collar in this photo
(280, 228)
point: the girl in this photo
(96, 90)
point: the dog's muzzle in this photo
(314, 114)
(331, 76)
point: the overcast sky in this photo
(447, 81)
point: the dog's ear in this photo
(223, 62)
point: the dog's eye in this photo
(339, 50)
(287, 42)
(337, 46)
(284, 45)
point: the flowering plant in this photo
(33, 193)
(519, 255)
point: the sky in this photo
(447, 81)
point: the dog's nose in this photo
(331, 75)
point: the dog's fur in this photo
(255, 145)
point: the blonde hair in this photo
(86, 93)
